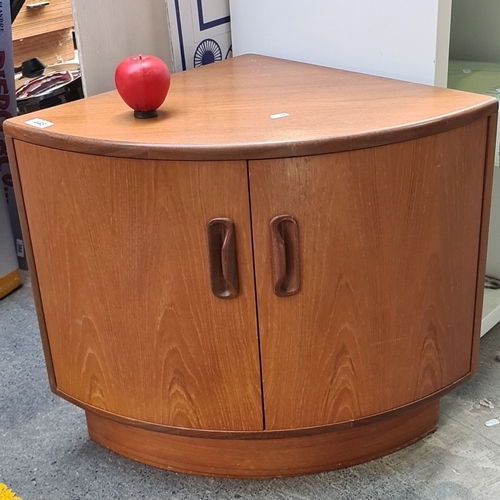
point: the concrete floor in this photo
(45, 452)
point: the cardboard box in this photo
(8, 109)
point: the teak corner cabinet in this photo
(280, 274)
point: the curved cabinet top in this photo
(228, 111)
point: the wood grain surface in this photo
(485, 227)
(265, 457)
(389, 240)
(50, 48)
(223, 111)
(121, 257)
(266, 434)
(53, 17)
(35, 287)
(389, 184)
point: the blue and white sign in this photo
(200, 31)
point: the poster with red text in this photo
(7, 110)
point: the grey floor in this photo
(45, 452)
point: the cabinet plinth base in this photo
(260, 457)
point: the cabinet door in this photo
(121, 256)
(388, 247)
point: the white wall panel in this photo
(390, 38)
(110, 30)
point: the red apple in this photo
(142, 82)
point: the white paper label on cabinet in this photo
(39, 123)
(278, 115)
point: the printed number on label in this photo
(38, 122)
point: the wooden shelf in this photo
(44, 32)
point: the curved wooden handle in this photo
(285, 255)
(224, 277)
